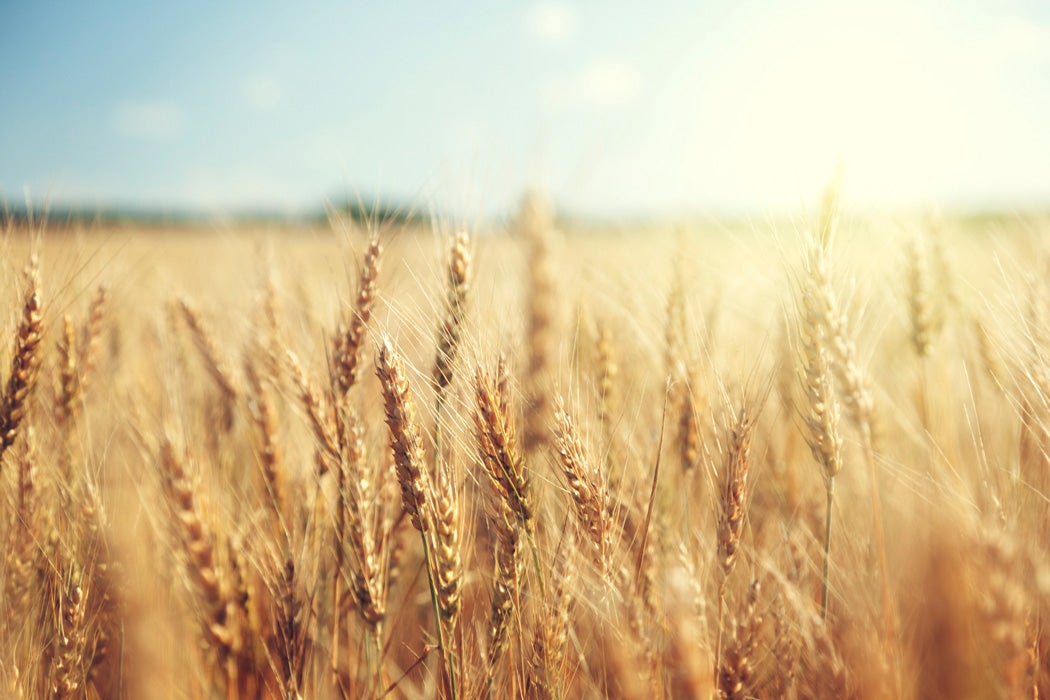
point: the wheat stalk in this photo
(855, 386)
(406, 444)
(207, 578)
(822, 412)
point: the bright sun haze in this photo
(678, 108)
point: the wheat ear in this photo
(25, 361)
(449, 331)
(497, 444)
(317, 411)
(208, 580)
(511, 512)
(586, 485)
(733, 503)
(349, 341)
(91, 335)
(214, 360)
(406, 441)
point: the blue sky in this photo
(613, 109)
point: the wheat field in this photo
(368, 460)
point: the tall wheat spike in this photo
(821, 413)
(853, 382)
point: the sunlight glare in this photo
(872, 95)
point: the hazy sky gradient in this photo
(745, 106)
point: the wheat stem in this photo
(827, 551)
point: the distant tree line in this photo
(63, 215)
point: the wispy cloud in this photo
(156, 120)
(262, 93)
(604, 84)
(551, 21)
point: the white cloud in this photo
(157, 120)
(605, 84)
(552, 21)
(262, 93)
